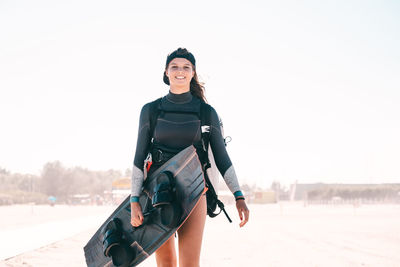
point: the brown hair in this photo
(196, 88)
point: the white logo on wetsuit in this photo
(205, 129)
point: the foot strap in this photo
(164, 191)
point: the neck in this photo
(179, 98)
(179, 89)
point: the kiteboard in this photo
(168, 197)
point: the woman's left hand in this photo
(243, 211)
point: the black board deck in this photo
(146, 239)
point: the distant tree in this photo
(246, 188)
(128, 172)
(4, 174)
(53, 182)
(276, 186)
(4, 171)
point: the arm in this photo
(225, 167)
(142, 145)
(221, 156)
(143, 142)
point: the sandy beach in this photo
(284, 234)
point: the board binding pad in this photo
(142, 241)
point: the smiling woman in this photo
(176, 126)
(180, 70)
(180, 66)
(179, 73)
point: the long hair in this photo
(196, 88)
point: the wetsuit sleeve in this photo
(143, 142)
(221, 156)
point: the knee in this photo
(189, 263)
(166, 258)
(167, 263)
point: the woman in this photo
(178, 127)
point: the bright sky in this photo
(308, 91)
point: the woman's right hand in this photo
(136, 214)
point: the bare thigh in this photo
(191, 235)
(166, 255)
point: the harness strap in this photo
(155, 109)
(201, 147)
(205, 117)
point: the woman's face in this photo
(180, 72)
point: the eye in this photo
(174, 67)
(186, 68)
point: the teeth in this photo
(180, 77)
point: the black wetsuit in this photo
(177, 127)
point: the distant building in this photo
(264, 197)
(344, 191)
(121, 188)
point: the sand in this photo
(284, 234)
